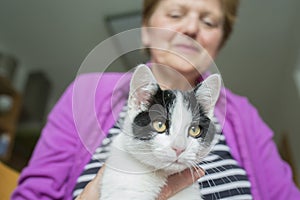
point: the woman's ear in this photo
(145, 36)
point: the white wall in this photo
(55, 36)
(297, 76)
(253, 60)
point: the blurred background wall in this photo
(261, 60)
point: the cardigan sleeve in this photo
(271, 171)
(251, 143)
(49, 168)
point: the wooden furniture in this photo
(285, 151)
(8, 181)
(9, 119)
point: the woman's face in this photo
(177, 27)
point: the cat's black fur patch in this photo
(161, 106)
(198, 112)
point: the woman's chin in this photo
(187, 65)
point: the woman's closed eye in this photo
(175, 14)
(209, 23)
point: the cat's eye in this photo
(195, 131)
(159, 126)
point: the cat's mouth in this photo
(178, 162)
(175, 166)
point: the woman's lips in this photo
(190, 49)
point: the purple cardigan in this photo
(83, 115)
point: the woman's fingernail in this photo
(199, 172)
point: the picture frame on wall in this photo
(126, 28)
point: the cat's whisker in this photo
(195, 167)
(222, 178)
(221, 168)
(191, 171)
(210, 185)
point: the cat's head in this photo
(170, 129)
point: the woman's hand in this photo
(178, 182)
(175, 183)
(92, 189)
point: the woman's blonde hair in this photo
(230, 9)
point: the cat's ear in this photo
(207, 93)
(143, 86)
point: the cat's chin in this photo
(174, 167)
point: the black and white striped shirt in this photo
(224, 178)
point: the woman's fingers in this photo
(92, 189)
(177, 182)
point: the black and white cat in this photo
(164, 132)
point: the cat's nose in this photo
(178, 151)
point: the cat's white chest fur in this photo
(127, 179)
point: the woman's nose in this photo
(191, 27)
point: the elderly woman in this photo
(247, 166)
